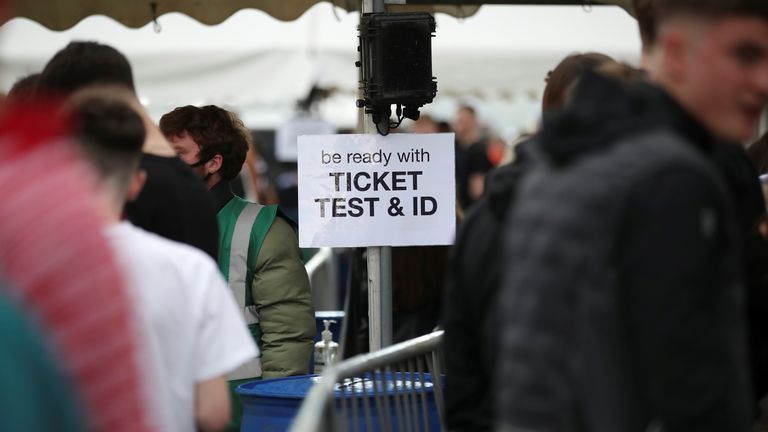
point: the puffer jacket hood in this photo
(602, 110)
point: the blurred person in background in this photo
(418, 274)
(173, 202)
(425, 124)
(472, 159)
(258, 250)
(633, 217)
(191, 331)
(255, 174)
(476, 266)
(498, 151)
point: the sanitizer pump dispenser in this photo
(326, 349)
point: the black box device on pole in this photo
(396, 61)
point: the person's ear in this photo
(674, 51)
(214, 165)
(137, 184)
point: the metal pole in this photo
(374, 299)
(379, 297)
(379, 258)
(386, 296)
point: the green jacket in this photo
(278, 305)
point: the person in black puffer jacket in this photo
(623, 305)
(475, 272)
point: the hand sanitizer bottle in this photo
(326, 349)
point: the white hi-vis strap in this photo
(238, 268)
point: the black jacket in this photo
(472, 284)
(623, 306)
(741, 178)
(175, 204)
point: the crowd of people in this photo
(146, 285)
(612, 276)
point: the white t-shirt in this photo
(189, 323)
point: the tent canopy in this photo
(62, 14)
(260, 66)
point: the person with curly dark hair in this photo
(208, 134)
(258, 247)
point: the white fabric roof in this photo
(260, 66)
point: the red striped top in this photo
(53, 253)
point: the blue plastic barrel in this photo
(271, 405)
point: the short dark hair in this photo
(645, 12)
(565, 74)
(110, 133)
(82, 64)
(622, 72)
(710, 8)
(23, 90)
(215, 130)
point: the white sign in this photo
(371, 190)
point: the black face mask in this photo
(200, 163)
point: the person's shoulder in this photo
(682, 181)
(280, 241)
(281, 228)
(634, 166)
(163, 250)
(279, 221)
(660, 149)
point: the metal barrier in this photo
(323, 279)
(399, 388)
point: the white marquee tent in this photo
(260, 66)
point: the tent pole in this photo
(379, 258)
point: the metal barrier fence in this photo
(323, 279)
(399, 388)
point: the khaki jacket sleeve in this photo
(284, 301)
